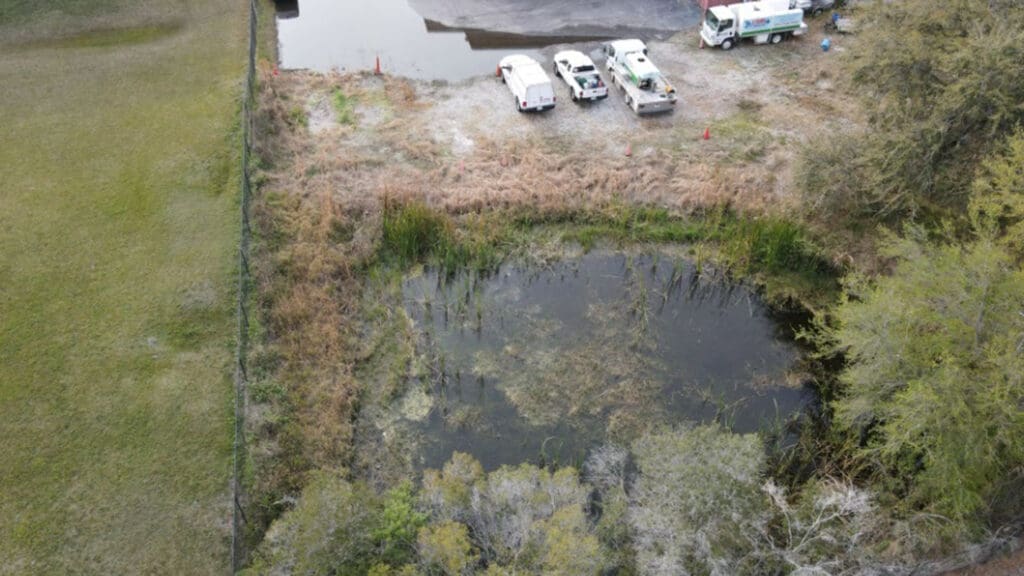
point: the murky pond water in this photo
(535, 364)
(454, 39)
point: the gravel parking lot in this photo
(463, 145)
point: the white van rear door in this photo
(540, 95)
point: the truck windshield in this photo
(584, 68)
(712, 21)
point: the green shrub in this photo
(935, 380)
(399, 524)
(941, 86)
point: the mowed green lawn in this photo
(118, 228)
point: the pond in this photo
(541, 363)
(455, 39)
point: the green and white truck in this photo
(766, 21)
(644, 88)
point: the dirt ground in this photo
(464, 147)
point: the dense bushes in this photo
(931, 402)
(935, 381)
(696, 502)
(941, 85)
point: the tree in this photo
(328, 532)
(607, 470)
(521, 518)
(569, 547)
(997, 204)
(399, 522)
(506, 510)
(448, 494)
(446, 549)
(941, 87)
(825, 532)
(697, 506)
(935, 376)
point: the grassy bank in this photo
(776, 253)
(117, 233)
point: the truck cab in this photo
(763, 21)
(618, 50)
(719, 28)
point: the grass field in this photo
(118, 223)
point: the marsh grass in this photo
(413, 232)
(778, 253)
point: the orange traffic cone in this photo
(707, 133)
(376, 69)
(629, 149)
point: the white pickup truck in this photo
(580, 74)
(644, 88)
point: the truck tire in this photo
(727, 44)
(775, 39)
(572, 94)
(817, 12)
(519, 107)
(557, 73)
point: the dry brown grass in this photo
(308, 291)
(401, 155)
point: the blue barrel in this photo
(826, 44)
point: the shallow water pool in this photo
(541, 363)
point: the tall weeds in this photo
(413, 232)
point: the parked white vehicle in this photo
(765, 21)
(529, 85)
(644, 88)
(580, 74)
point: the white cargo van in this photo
(529, 84)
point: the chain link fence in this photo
(238, 520)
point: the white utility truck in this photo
(529, 85)
(579, 72)
(764, 21)
(644, 88)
